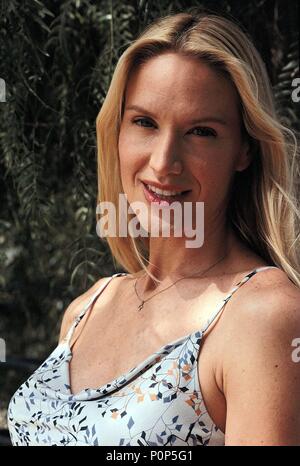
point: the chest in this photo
(113, 339)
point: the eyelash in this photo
(211, 132)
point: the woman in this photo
(189, 116)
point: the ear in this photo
(244, 158)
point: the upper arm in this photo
(261, 376)
(75, 308)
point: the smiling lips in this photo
(163, 197)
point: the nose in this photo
(166, 158)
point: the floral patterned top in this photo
(156, 403)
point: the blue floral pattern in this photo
(157, 403)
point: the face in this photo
(181, 131)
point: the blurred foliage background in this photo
(57, 59)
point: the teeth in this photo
(162, 191)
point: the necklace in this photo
(143, 301)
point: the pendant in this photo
(141, 306)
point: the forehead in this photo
(183, 82)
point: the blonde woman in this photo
(192, 346)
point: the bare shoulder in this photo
(269, 299)
(76, 306)
(270, 290)
(258, 368)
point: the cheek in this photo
(129, 162)
(213, 174)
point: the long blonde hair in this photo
(263, 208)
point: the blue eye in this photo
(205, 131)
(142, 119)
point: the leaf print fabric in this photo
(157, 403)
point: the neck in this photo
(170, 260)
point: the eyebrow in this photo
(214, 119)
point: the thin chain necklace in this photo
(143, 301)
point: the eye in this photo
(205, 131)
(139, 120)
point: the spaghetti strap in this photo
(87, 307)
(164, 389)
(221, 306)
